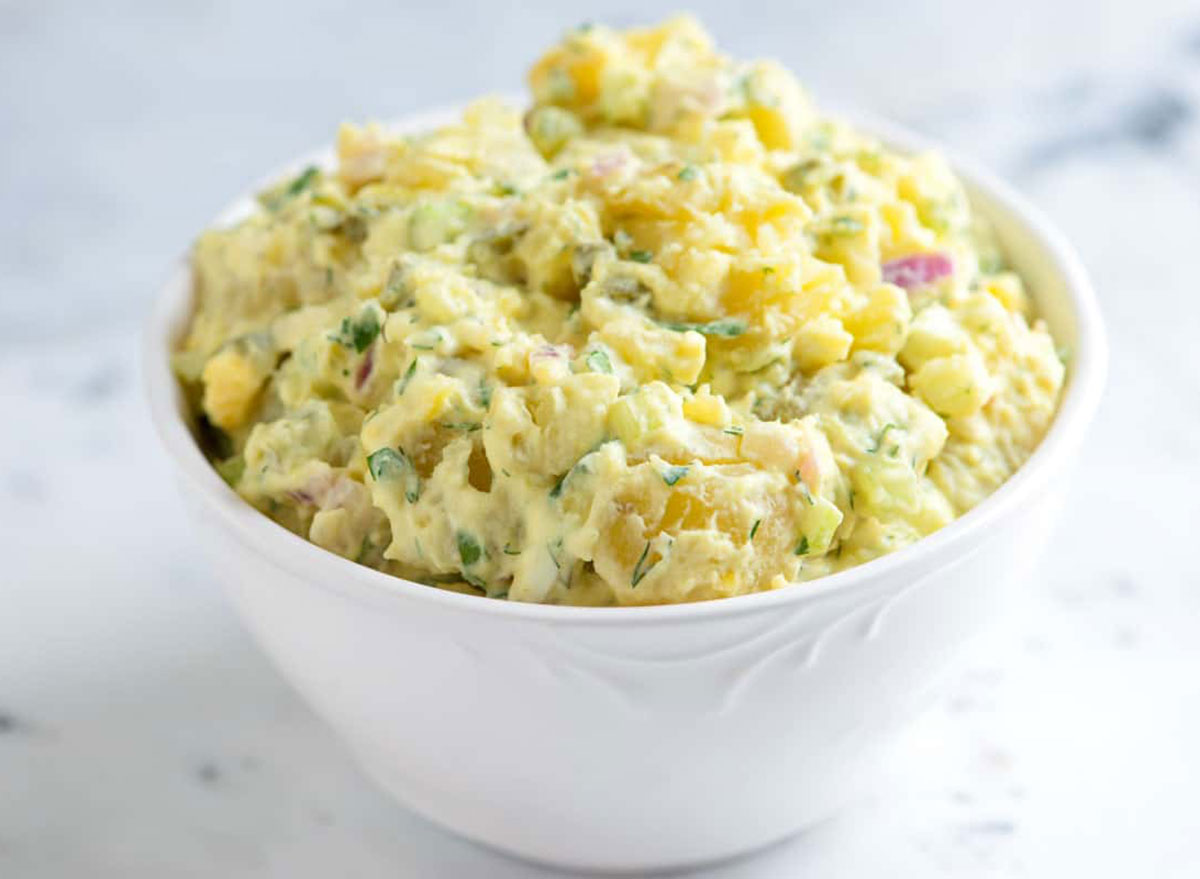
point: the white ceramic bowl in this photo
(650, 737)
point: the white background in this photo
(142, 735)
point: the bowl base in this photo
(607, 864)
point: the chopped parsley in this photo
(579, 465)
(402, 385)
(510, 551)
(469, 550)
(304, 180)
(388, 464)
(673, 474)
(754, 528)
(689, 173)
(359, 332)
(641, 255)
(879, 437)
(560, 174)
(726, 328)
(485, 393)
(802, 546)
(734, 430)
(553, 547)
(641, 569)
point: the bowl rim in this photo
(1086, 376)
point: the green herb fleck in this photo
(673, 474)
(560, 174)
(358, 333)
(726, 328)
(734, 430)
(804, 489)
(388, 464)
(754, 528)
(879, 437)
(844, 226)
(689, 173)
(510, 551)
(303, 181)
(553, 547)
(598, 361)
(469, 550)
(468, 426)
(802, 546)
(402, 385)
(485, 393)
(641, 255)
(640, 570)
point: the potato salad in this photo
(667, 334)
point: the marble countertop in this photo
(143, 735)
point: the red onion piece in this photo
(918, 270)
(364, 369)
(607, 164)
